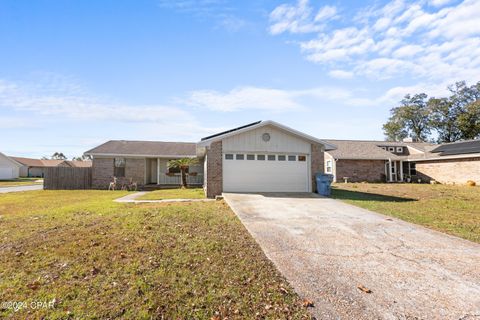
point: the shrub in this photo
(471, 183)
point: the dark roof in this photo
(368, 149)
(461, 147)
(146, 148)
(231, 130)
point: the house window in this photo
(413, 168)
(261, 157)
(399, 149)
(384, 148)
(292, 158)
(119, 167)
(250, 157)
(240, 157)
(271, 157)
(329, 168)
(391, 149)
(282, 158)
(302, 158)
(229, 156)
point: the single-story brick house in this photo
(36, 167)
(386, 161)
(262, 156)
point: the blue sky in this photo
(74, 74)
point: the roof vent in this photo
(409, 139)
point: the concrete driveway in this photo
(327, 248)
(21, 188)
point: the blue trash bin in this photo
(324, 182)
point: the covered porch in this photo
(158, 173)
(399, 170)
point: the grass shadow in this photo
(342, 194)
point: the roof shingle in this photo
(145, 148)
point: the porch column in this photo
(401, 170)
(390, 170)
(158, 170)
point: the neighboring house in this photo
(384, 161)
(145, 162)
(80, 164)
(455, 162)
(9, 168)
(262, 156)
(36, 167)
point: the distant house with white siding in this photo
(9, 168)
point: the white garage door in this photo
(6, 173)
(265, 173)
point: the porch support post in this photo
(390, 170)
(158, 170)
(401, 170)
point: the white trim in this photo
(401, 170)
(305, 136)
(158, 171)
(18, 164)
(390, 177)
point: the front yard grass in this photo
(20, 182)
(178, 193)
(92, 258)
(451, 209)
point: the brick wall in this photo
(317, 166)
(103, 172)
(360, 170)
(456, 171)
(214, 173)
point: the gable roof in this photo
(222, 135)
(29, 162)
(9, 159)
(144, 148)
(371, 149)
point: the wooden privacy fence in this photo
(66, 178)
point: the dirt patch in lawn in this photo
(89, 257)
(451, 209)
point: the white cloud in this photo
(244, 98)
(274, 100)
(60, 100)
(326, 13)
(300, 18)
(341, 74)
(432, 41)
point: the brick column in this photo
(214, 170)
(317, 160)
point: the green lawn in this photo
(93, 258)
(189, 193)
(19, 182)
(451, 209)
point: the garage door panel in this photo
(265, 176)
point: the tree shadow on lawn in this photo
(342, 194)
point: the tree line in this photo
(447, 119)
(61, 156)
